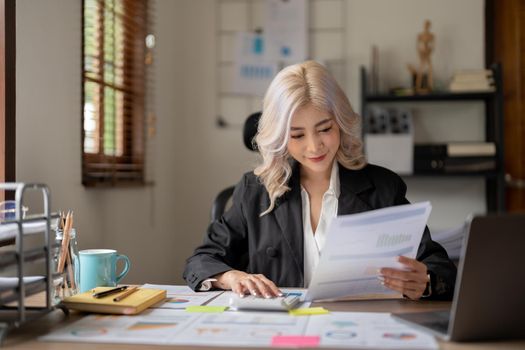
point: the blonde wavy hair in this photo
(294, 87)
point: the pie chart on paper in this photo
(178, 301)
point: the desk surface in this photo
(26, 336)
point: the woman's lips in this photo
(318, 159)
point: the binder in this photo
(441, 165)
(131, 305)
(455, 149)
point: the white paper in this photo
(241, 329)
(180, 297)
(154, 326)
(358, 245)
(452, 239)
(286, 30)
(367, 330)
(245, 329)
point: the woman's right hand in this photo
(243, 283)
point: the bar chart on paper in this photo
(359, 244)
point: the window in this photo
(115, 59)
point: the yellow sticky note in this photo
(206, 309)
(309, 311)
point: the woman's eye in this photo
(296, 136)
(326, 129)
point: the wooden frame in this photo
(7, 92)
(127, 168)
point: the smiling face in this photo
(314, 140)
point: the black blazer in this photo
(272, 245)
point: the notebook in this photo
(133, 304)
(489, 299)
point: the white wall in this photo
(191, 159)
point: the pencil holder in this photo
(66, 282)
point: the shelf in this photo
(9, 289)
(484, 174)
(16, 254)
(493, 100)
(35, 255)
(441, 96)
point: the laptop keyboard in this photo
(436, 320)
(440, 326)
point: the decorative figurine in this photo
(423, 75)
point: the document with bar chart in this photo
(357, 245)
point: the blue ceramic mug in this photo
(98, 267)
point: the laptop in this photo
(489, 298)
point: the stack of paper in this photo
(451, 239)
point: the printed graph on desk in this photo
(253, 320)
(147, 325)
(153, 327)
(182, 301)
(88, 332)
(400, 336)
(241, 329)
(180, 297)
(367, 330)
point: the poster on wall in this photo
(252, 71)
(286, 30)
(260, 55)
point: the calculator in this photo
(250, 302)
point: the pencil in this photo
(70, 270)
(126, 293)
(65, 244)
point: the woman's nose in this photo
(314, 143)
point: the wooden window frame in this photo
(7, 94)
(101, 169)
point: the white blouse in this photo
(314, 241)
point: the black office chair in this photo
(222, 200)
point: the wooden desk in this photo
(26, 336)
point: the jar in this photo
(66, 283)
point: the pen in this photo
(126, 293)
(109, 292)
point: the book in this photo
(131, 305)
(474, 80)
(484, 86)
(454, 149)
(473, 73)
(469, 149)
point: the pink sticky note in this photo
(295, 341)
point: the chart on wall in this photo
(257, 38)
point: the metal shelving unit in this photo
(494, 180)
(16, 256)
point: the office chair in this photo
(221, 200)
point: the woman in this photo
(312, 169)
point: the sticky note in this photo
(309, 311)
(296, 341)
(205, 308)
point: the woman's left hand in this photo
(411, 282)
